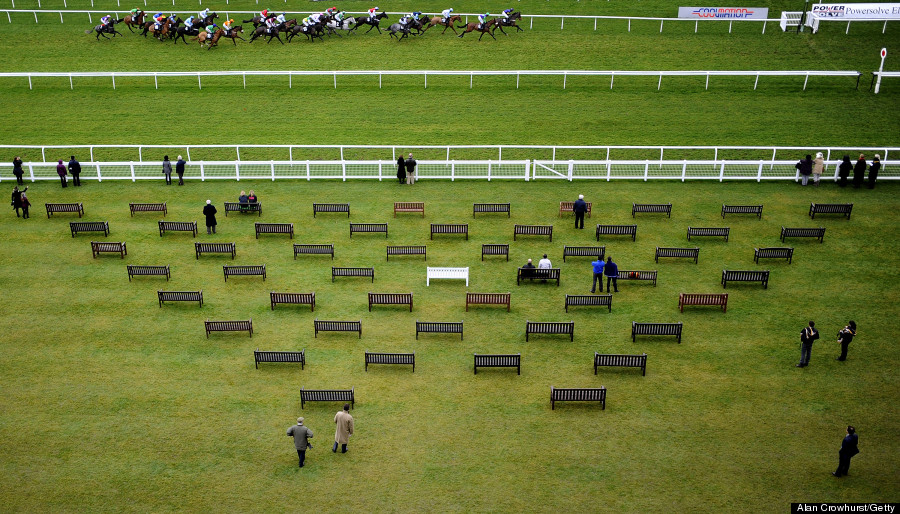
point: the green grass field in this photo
(112, 403)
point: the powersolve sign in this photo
(857, 11)
(724, 13)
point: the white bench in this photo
(452, 273)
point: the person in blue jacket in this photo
(598, 274)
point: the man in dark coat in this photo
(17, 169)
(210, 212)
(179, 169)
(873, 171)
(845, 337)
(17, 198)
(844, 171)
(849, 448)
(410, 170)
(611, 270)
(301, 435)
(807, 336)
(579, 208)
(75, 171)
(859, 171)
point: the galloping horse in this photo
(403, 29)
(346, 24)
(257, 20)
(137, 20)
(104, 30)
(437, 21)
(234, 34)
(311, 32)
(263, 30)
(509, 22)
(485, 28)
(370, 20)
(202, 39)
(180, 32)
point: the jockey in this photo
(506, 13)
(105, 20)
(331, 11)
(373, 12)
(210, 30)
(445, 15)
(481, 18)
(173, 18)
(271, 23)
(264, 14)
(315, 18)
(339, 18)
(158, 18)
(307, 22)
(189, 23)
(134, 13)
(227, 26)
(203, 14)
(280, 19)
(415, 15)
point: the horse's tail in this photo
(88, 31)
(463, 26)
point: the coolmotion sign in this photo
(724, 13)
(857, 11)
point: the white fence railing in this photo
(565, 74)
(128, 153)
(813, 20)
(447, 170)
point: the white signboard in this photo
(857, 11)
(724, 13)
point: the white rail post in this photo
(595, 23)
(71, 86)
(60, 13)
(244, 78)
(554, 154)
(342, 153)
(696, 24)
(379, 171)
(43, 157)
(805, 81)
(730, 22)
(452, 168)
(683, 169)
(99, 178)
(155, 81)
(517, 80)
(35, 16)
(426, 80)
(92, 153)
(291, 153)
(489, 174)
(343, 171)
(188, 148)
(716, 154)
(238, 150)
(394, 153)
(608, 168)
(722, 171)
(307, 171)
(453, 172)
(759, 171)
(612, 77)
(565, 76)
(290, 80)
(470, 79)
(880, 70)
(764, 26)
(114, 80)
(707, 81)
(848, 28)
(489, 168)
(140, 155)
(202, 175)
(562, 21)
(659, 85)
(29, 81)
(237, 171)
(499, 153)
(629, 24)
(379, 80)
(756, 82)
(272, 165)
(527, 167)
(571, 170)
(199, 84)
(646, 169)
(660, 26)
(448, 154)
(31, 171)
(772, 164)
(335, 80)
(132, 170)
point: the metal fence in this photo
(447, 170)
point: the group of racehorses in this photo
(173, 29)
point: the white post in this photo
(517, 80)
(448, 154)
(660, 26)
(531, 25)
(31, 171)
(489, 168)
(499, 153)
(291, 153)
(608, 169)
(238, 150)
(307, 171)
(202, 176)
(426, 81)
(60, 14)
(848, 28)
(114, 81)
(244, 77)
(759, 171)
(646, 169)
(565, 76)
(730, 22)
(132, 171)
(43, 157)
(199, 84)
(612, 77)
(772, 164)
(716, 154)
(562, 21)
(343, 171)
(273, 170)
(764, 26)
(379, 171)
(805, 81)
(71, 86)
(452, 167)
(140, 155)
(756, 82)
(453, 174)
(880, 69)
(470, 80)
(659, 85)
(155, 81)
(571, 169)
(722, 171)
(342, 153)
(707, 81)
(92, 153)
(290, 81)
(528, 166)
(629, 24)
(595, 23)
(99, 178)
(379, 81)
(35, 16)
(29, 81)
(335, 80)
(683, 170)
(554, 154)
(489, 174)
(696, 23)
(188, 148)
(237, 171)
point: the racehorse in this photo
(311, 32)
(180, 32)
(509, 22)
(258, 20)
(212, 42)
(484, 28)
(344, 25)
(234, 34)
(137, 20)
(404, 29)
(263, 30)
(370, 20)
(104, 30)
(449, 25)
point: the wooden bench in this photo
(201, 248)
(487, 299)
(703, 299)
(450, 228)
(390, 299)
(745, 276)
(533, 230)
(64, 207)
(268, 356)
(690, 253)
(533, 273)
(439, 327)
(448, 273)
(742, 209)
(337, 326)
(243, 208)
(148, 207)
(178, 226)
(391, 358)
(708, 232)
(495, 249)
(89, 226)
(134, 271)
(490, 207)
(651, 207)
(818, 233)
(327, 249)
(569, 207)
(577, 395)
(589, 300)
(584, 251)
(406, 250)
(409, 207)
(773, 253)
(623, 361)
(180, 296)
(229, 326)
(617, 230)
(108, 247)
(331, 207)
(550, 327)
(369, 227)
(294, 299)
(352, 272)
(656, 329)
(512, 360)
(244, 271)
(274, 228)
(830, 208)
(326, 395)
(637, 275)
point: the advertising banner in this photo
(857, 11)
(724, 13)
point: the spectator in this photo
(612, 273)
(61, 171)
(17, 198)
(528, 267)
(579, 208)
(859, 171)
(818, 168)
(344, 429)
(167, 170)
(25, 205)
(179, 170)
(251, 197)
(243, 198)
(301, 435)
(844, 171)
(17, 169)
(210, 212)
(410, 170)
(401, 169)
(807, 336)
(598, 274)
(845, 336)
(849, 448)
(873, 170)
(75, 171)
(544, 263)
(805, 168)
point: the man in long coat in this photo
(344, 429)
